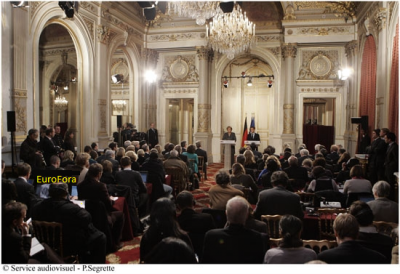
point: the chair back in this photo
(323, 184)
(306, 198)
(387, 229)
(319, 246)
(297, 184)
(274, 242)
(272, 222)
(49, 233)
(200, 166)
(326, 217)
(357, 196)
(177, 179)
(245, 190)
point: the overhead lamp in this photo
(226, 82)
(243, 74)
(68, 8)
(150, 76)
(66, 87)
(250, 82)
(117, 78)
(73, 79)
(19, 4)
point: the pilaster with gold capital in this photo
(204, 117)
(289, 50)
(202, 53)
(288, 118)
(351, 48)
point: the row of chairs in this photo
(313, 199)
(316, 245)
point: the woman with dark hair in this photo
(107, 177)
(163, 224)
(321, 181)
(265, 179)
(239, 177)
(8, 191)
(342, 160)
(357, 183)
(172, 250)
(290, 250)
(69, 142)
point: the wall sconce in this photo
(119, 105)
(117, 78)
(270, 83)
(250, 82)
(68, 8)
(226, 82)
(343, 74)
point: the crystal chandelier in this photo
(61, 103)
(231, 33)
(199, 10)
(119, 105)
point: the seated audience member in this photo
(133, 179)
(239, 177)
(87, 149)
(395, 250)
(94, 147)
(240, 245)
(171, 250)
(260, 226)
(174, 161)
(133, 156)
(201, 152)
(261, 162)
(290, 250)
(344, 173)
(278, 200)
(119, 154)
(194, 223)
(321, 181)
(294, 171)
(357, 184)
(54, 163)
(82, 161)
(184, 158)
(156, 176)
(304, 154)
(110, 156)
(320, 161)
(68, 159)
(384, 209)
(130, 148)
(159, 152)
(349, 251)
(265, 170)
(342, 159)
(79, 234)
(193, 161)
(168, 148)
(127, 143)
(93, 156)
(368, 236)
(334, 155)
(265, 180)
(25, 191)
(163, 224)
(307, 163)
(8, 191)
(103, 156)
(284, 161)
(16, 240)
(92, 189)
(222, 191)
(141, 157)
(107, 177)
(250, 161)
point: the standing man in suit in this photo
(391, 161)
(201, 152)
(252, 136)
(376, 151)
(234, 243)
(349, 251)
(278, 200)
(229, 135)
(48, 146)
(152, 136)
(29, 151)
(25, 191)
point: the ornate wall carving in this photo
(88, 6)
(90, 26)
(181, 69)
(150, 56)
(51, 52)
(276, 51)
(204, 111)
(289, 13)
(351, 48)
(202, 53)
(175, 37)
(300, 5)
(33, 6)
(103, 112)
(319, 65)
(289, 50)
(120, 24)
(269, 38)
(323, 30)
(380, 18)
(310, 89)
(184, 91)
(288, 118)
(20, 105)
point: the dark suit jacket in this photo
(279, 201)
(333, 156)
(14, 248)
(297, 172)
(392, 160)
(378, 242)
(183, 158)
(233, 245)
(152, 137)
(134, 180)
(90, 189)
(26, 194)
(28, 153)
(256, 137)
(377, 154)
(351, 252)
(302, 158)
(202, 152)
(196, 225)
(48, 149)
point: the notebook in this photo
(80, 203)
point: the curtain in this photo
(394, 87)
(368, 82)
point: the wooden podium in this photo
(257, 143)
(227, 155)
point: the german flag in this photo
(244, 137)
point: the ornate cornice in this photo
(351, 48)
(380, 18)
(323, 30)
(20, 93)
(331, 89)
(289, 50)
(51, 52)
(88, 6)
(176, 37)
(120, 24)
(184, 91)
(289, 13)
(269, 38)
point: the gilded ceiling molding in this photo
(88, 6)
(51, 52)
(269, 38)
(33, 6)
(289, 50)
(175, 91)
(289, 13)
(380, 18)
(90, 26)
(175, 37)
(120, 24)
(300, 5)
(324, 30)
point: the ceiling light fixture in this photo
(231, 33)
(250, 82)
(117, 78)
(199, 10)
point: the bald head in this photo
(237, 210)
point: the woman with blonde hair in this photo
(68, 159)
(120, 153)
(134, 164)
(249, 161)
(141, 157)
(265, 170)
(239, 177)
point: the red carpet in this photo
(130, 253)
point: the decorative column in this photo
(149, 94)
(203, 133)
(289, 52)
(350, 92)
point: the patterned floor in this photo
(130, 253)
